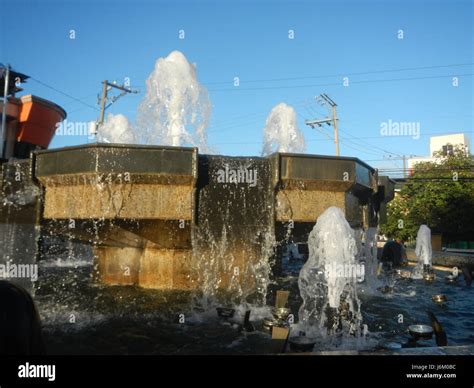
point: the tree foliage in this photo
(439, 194)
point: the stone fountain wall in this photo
(135, 205)
(158, 217)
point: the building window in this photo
(448, 150)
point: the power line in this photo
(73, 104)
(400, 137)
(246, 119)
(343, 141)
(432, 169)
(394, 171)
(440, 179)
(339, 84)
(64, 93)
(366, 144)
(342, 74)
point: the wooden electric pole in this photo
(336, 131)
(404, 158)
(104, 98)
(404, 166)
(312, 123)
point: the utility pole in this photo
(326, 100)
(404, 166)
(102, 102)
(104, 98)
(404, 158)
(336, 131)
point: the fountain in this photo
(167, 224)
(175, 110)
(181, 220)
(172, 219)
(281, 133)
(328, 280)
(176, 107)
(169, 218)
(424, 253)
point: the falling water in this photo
(423, 251)
(281, 133)
(359, 236)
(19, 233)
(234, 237)
(371, 262)
(176, 107)
(328, 280)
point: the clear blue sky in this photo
(249, 39)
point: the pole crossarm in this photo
(326, 100)
(106, 102)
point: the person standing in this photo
(394, 253)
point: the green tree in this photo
(439, 194)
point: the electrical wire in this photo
(64, 93)
(343, 74)
(340, 84)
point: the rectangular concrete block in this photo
(117, 266)
(116, 158)
(112, 201)
(165, 269)
(306, 205)
(164, 234)
(353, 210)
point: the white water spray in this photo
(281, 133)
(423, 251)
(176, 107)
(328, 280)
(116, 129)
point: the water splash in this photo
(328, 280)
(176, 107)
(423, 251)
(281, 133)
(116, 129)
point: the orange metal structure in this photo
(37, 120)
